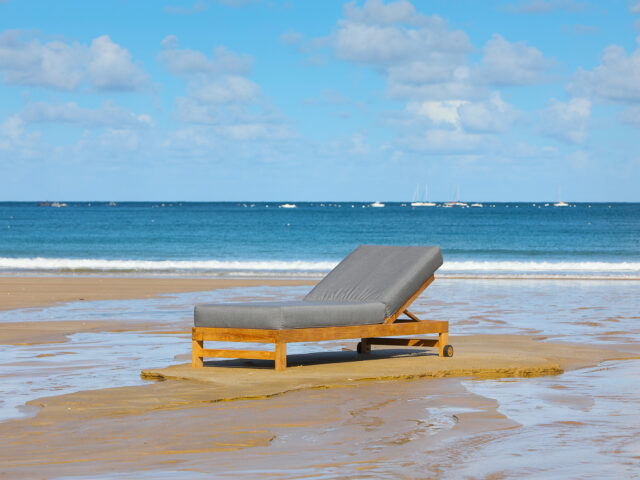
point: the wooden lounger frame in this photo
(369, 335)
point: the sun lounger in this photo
(363, 297)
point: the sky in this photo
(232, 100)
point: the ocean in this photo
(583, 240)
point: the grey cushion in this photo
(372, 283)
(282, 315)
(374, 273)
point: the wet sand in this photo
(234, 418)
(37, 333)
(172, 426)
(391, 415)
(23, 292)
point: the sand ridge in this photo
(22, 292)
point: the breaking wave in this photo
(450, 268)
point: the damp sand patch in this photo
(477, 356)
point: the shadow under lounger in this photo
(362, 297)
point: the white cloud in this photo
(419, 55)
(449, 108)
(221, 99)
(15, 139)
(29, 62)
(387, 45)
(12, 127)
(197, 7)
(545, 6)
(376, 12)
(438, 112)
(506, 63)
(567, 122)
(632, 116)
(492, 115)
(291, 37)
(458, 86)
(635, 8)
(110, 67)
(359, 145)
(423, 59)
(120, 139)
(104, 65)
(254, 131)
(188, 62)
(221, 79)
(453, 126)
(616, 79)
(237, 3)
(108, 115)
(447, 142)
(228, 89)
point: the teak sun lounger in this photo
(363, 297)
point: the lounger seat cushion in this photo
(284, 315)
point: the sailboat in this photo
(416, 202)
(560, 203)
(457, 203)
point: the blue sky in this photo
(327, 100)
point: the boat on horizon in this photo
(560, 203)
(477, 205)
(288, 205)
(457, 202)
(417, 202)
(377, 205)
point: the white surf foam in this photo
(472, 268)
(87, 264)
(537, 267)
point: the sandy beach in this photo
(354, 416)
(23, 292)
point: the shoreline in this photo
(22, 291)
(29, 292)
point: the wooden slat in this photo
(254, 354)
(409, 342)
(235, 334)
(406, 305)
(411, 315)
(362, 331)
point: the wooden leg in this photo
(196, 353)
(365, 346)
(281, 356)
(443, 339)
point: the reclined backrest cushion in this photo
(375, 273)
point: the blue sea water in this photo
(515, 239)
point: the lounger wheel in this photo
(447, 351)
(359, 347)
(362, 349)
